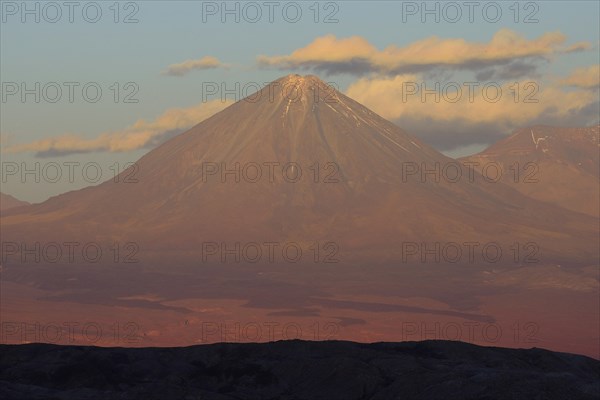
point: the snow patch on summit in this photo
(538, 140)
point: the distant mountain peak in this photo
(550, 140)
(7, 202)
(561, 161)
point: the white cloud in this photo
(188, 66)
(139, 135)
(356, 54)
(588, 77)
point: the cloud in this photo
(455, 119)
(513, 70)
(588, 77)
(188, 66)
(355, 55)
(142, 134)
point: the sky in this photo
(161, 67)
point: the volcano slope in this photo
(553, 164)
(301, 162)
(7, 202)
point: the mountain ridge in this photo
(299, 369)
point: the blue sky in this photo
(169, 33)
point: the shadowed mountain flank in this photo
(330, 370)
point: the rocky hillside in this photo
(328, 370)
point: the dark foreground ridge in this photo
(296, 369)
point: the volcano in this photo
(300, 162)
(7, 202)
(552, 164)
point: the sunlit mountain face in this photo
(300, 161)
